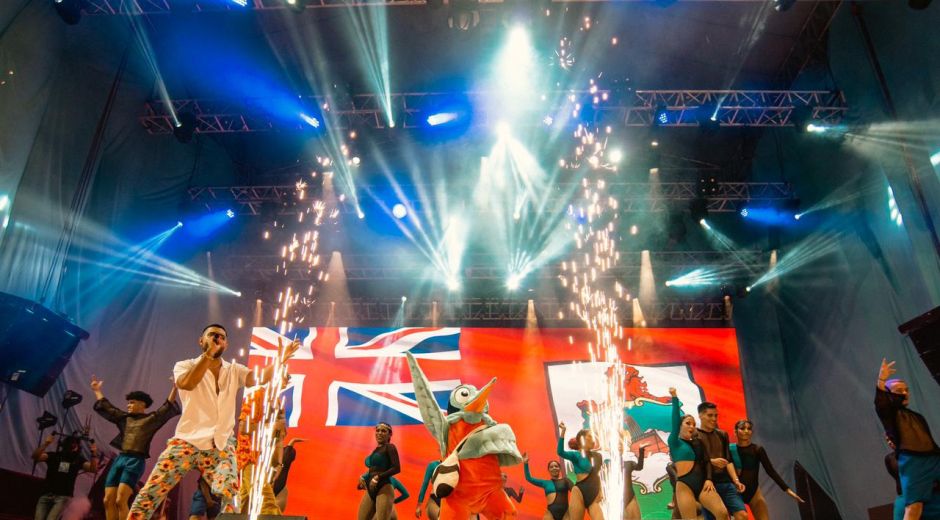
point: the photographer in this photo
(62, 467)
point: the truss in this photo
(362, 267)
(489, 312)
(758, 108)
(733, 108)
(633, 197)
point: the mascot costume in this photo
(469, 435)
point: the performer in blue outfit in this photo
(587, 494)
(693, 469)
(434, 503)
(918, 455)
(556, 489)
(136, 428)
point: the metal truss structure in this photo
(478, 267)
(684, 108)
(721, 197)
(735, 108)
(511, 313)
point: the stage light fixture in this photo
(744, 212)
(513, 282)
(185, 127)
(707, 116)
(230, 213)
(616, 156)
(935, 159)
(399, 211)
(783, 5)
(179, 223)
(4, 202)
(441, 118)
(704, 224)
(502, 130)
(70, 11)
(297, 6)
(404, 299)
(310, 120)
(660, 115)
(453, 284)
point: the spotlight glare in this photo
(239, 294)
(502, 130)
(453, 284)
(399, 211)
(229, 213)
(813, 128)
(744, 212)
(4, 202)
(797, 216)
(360, 214)
(654, 143)
(704, 224)
(404, 299)
(616, 156)
(935, 159)
(513, 282)
(312, 121)
(548, 120)
(634, 230)
(441, 118)
(179, 223)
(748, 288)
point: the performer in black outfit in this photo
(280, 482)
(717, 447)
(510, 492)
(556, 489)
(136, 429)
(918, 454)
(631, 507)
(748, 458)
(62, 467)
(383, 463)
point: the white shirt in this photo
(209, 413)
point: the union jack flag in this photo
(364, 370)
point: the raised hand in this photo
(525, 457)
(288, 351)
(562, 428)
(96, 384)
(672, 391)
(418, 512)
(886, 371)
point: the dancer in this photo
(631, 506)
(383, 463)
(556, 489)
(510, 492)
(288, 457)
(204, 438)
(62, 468)
(748, 458)
(918, 454)
(931, 507)
(587, 494)
(434, 503)
(204, 505)
(671, 473)
(693, 471)
(718, 449)
(482, 445)
(136, 429)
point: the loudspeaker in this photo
(35, 344)
(924, 331)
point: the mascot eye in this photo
(462, 395)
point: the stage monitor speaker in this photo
(35, 344)
(924, 331)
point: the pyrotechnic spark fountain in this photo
(301, 252)
(264, 438)
(593, 221)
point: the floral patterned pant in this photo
(217, 468)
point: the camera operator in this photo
(62, 467)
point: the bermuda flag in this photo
(347, 379)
